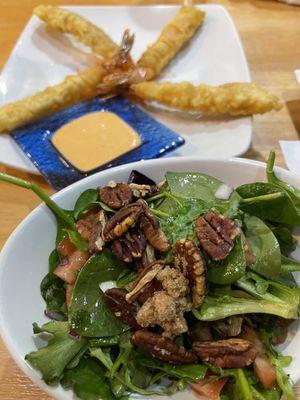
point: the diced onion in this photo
(223, 192)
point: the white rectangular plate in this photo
(215, 55)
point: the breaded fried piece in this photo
(172, 38)
(83, 31)
(231, 98)
(72, 90)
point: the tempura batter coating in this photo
(231, 98)
(172, 38)
(72, 90)
(83, 30)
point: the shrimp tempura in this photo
(172, 38)
(231, 98)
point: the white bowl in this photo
(24, 258)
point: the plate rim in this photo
(32, 168)
(33, 374)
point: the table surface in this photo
(270, 33)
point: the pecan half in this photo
(229, 353)
(122, 221)
(85, 224)
(144, 281)
(162, 349)
(188, 259)
(116, 196)
(147, 258)
(151, 227)
(116, 302)
(216, 234)
(129, 246)
(96, 241)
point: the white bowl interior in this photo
(24, 258)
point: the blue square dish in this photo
(34, 139)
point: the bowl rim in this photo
(33, 374)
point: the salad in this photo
(157, 287)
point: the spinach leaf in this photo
(88, 381)
(88, 200)
(268, 202)
(289, 265)
(264, 246)
(76, 239)
(292, 192)
(52, 359)
(54, 293)
(53, 260)
(193, 185)
(52, 288)
(84, 201)
(62, 226)
(231, 269)
(285, 238)
(88, 313)
(191, 373)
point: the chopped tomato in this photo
(66, 247)
(209, 388)
(263, 368)
(68, 267)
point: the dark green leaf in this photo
(73, 363)
(292, 192)
(264, 246)
(125, 278)
(191, 373)
(52, 359)
(77, 240)
(103, 355)
(53, 260)
(268, 202)
(289, 265)
(88, 381)
(230, 269)
(53, 292)
(61, 226)
(193, 185)
(285, 239)
(85, 202)
(88, 312)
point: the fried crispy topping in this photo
(165, 311)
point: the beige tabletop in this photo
(270, 32)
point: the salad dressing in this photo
(95, 139)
